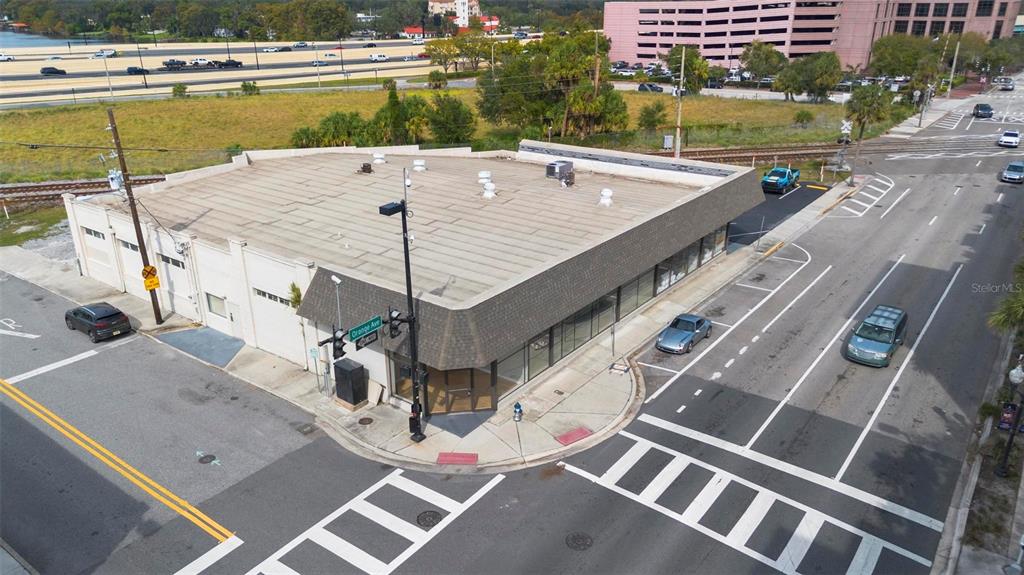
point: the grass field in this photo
(198, 131)
(29, 225)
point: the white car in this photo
(106, 53)
(272, 49)
(199, 62)
(319, 63)
(417, 41)
(1010, 139)
(54, 58)
(6, 58)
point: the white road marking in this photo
(721, 324)
(824, 350)
(851, 210)
(873, 198)
(796, 189)
(798, 545)
(797, 298)
(716, 375)
(906, 362)
(53, 366)
(625, 463)
(200, 563)
(859, 203)
(755, 338)
(969, 124)
(957, 190)
(698, 392)
(889, 209)
(388, 521)
(751, 518)
(681, 408)
(787, 259)
(730, 362)
(723, 337)
(424, 493)
(978, 164)
(786, 467)
(664, 479)
(347, 551)
(879, 190)
(866, 558)
(656, 367)
(705, 499)
(18, 334)
(743, 350)
(982, 230)
(1000, 198)
(752, 287)
(932, 221)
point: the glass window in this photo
(693, 256)
(628, 298)
(605, 312)
(556, 342)
(1002, 8)
(940, 10)
(582, 321)
(664, 278)
(568, 328)
(128, 245)
(677, 265)
(93, 233)
(900, 27)
(511, 372)
(539, 357)
(903, 9)
(707, 248)
(483, 388)
(720, 240)
(216, 305)
(937, 28)
(959, 10)
(956, 27)
(998, 30)
(436, 390)
(921, 9)
(401, 376)
(985, 7)
(645, 287)
(459, 385)
(918, 28)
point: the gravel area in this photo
(57, 245)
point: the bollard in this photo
(517, 412)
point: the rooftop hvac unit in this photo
(560, 170)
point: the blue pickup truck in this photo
(779, 180)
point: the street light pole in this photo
(106, 68)
(337, 296)
(952, 70)
(679, 102)
(138, 51)
(1016, 378)
(255, 52)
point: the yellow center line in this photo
(151, 487)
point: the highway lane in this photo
(239, 47)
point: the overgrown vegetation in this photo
(26, 225)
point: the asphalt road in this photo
(764, 450)
(236, 48)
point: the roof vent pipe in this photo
(419, 165)
(489, 191)
(606, 198)
(483, 176)
(378, 158)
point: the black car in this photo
(229, 63)
(982, 111)
(99, 320)
(646, 87)
(51, 71)
(136, 71)
(284, 49)
(715, 84)
(369, 45)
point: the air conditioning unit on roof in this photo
(560, 170)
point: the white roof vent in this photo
(483, 176)
(489, 193)
(606, 197)
(378, 158)
(419, 165)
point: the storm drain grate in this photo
(428, 518)
(579, 541)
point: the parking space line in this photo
(910, 355)
(721, 324)
(859, 203)
(696, 393)
(798, 545)
(68, 361)
(729, 363)
(889, 209)
(999, 199)
(824, 350)
(873, 198)
(752, 287)
(652, 366)
(797, 298)
(796, 261)
(721, 338)
(879, 190)
(851, 210)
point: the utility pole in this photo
(106, 68)
(597, 67)
(257, 54)
(134, 211)
(679, 102)
(138, 51)
(952, 70)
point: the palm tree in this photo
(339, 128)
(868, 104)
(1009, 316)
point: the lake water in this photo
(10, 39)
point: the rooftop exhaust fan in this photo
(419, 165)
(483, 176)
(606, 198)
(489, 191)
(378, 158)
(366, 168)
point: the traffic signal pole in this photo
(134, 211)
(416, 425)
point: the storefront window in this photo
(556, 342)
(629, 298)
(539, 358)
(511, 372)
(460, 390)
(582, 321)
(483, 390)
(437, 395)
(645, 287)
(692, 256)
(707, 248)
(568, 328)
(664, 278)
(720, 240)
(677, 264)
(401, 375)
(605, 312)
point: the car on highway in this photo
(520, 35)
(876, 339)
(982, 111)
(6, 57)
(648, 87)
(99, 320)
(51, 71)
(1007, 86)
(174, 64)
(683, 333)
(1010, 139)
(269, 49)
(318, 63)
(1014, 173)
(329, 55)
(200, 62)
(423, 56)
(229, 63)
(108, 53)
(408, 58)
(379, 58)
(300, 45)
(54, 58)
(370, 45)
(418, 41)
(136, 71)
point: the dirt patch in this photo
(995, 498)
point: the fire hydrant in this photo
(517, 412)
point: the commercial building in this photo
(639, 31)
(505, 286)
(462, 9)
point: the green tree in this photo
(306, 137)
(718, 72)
(443, 53)
(972, 51)
(695, 70)
(568, 62)
(451, 121)
(1009, 314)
(790, 81)
(437, 79)
(762, 59)
(652, 116)
(392, 119)
(339, 128)
(473, 48)
(250, 89)
(898, 54)
(803, 118)
(179, 90)
(820, 73)
(868, 104)
(416, 111)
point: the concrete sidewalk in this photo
(582, 400)
(936, 110)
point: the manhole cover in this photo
(428, 518)
(306, 428)
(579, 541)
(207, 458)
(365, 420)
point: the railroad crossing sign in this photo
(365, 328)
(847, 127)
(152, 283)
(148, 272)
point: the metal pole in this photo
(134, 211)
(255, 51)
(759, 234)
(417, 407)
(1004, 461)
(952, 70)
(316, 56)
(341, 54)
(337, 297)
(141, 65)
(679, 102)
(110, 87)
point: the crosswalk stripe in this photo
(706, 498)
(424, 493)
(866, 558)
(624, 463)
(347, 551)
(388, 521)
(800, 542)
(751, 518)
(664, 479)
(851, 210)
(277, 568)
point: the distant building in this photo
(462, 9)
(416, 32)
(365, 18)
(639, 31)
(1018, 26)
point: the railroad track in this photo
(18, 193)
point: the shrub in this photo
(179, 90)
(250, 89)
(306, 137)
(451, 120)
(652, 116)
(437, 80)
(803, 118)
(389, 83)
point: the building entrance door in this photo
(452, 391)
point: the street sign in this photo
(370, 326)
(847, 127)
(148, 272)
(152, 283)
(366, 340)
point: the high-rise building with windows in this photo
(463, 9)
(723, 28)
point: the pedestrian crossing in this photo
(323, 538)
(866, 197)
(756, 517)
(950, 121)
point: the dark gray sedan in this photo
(99, 320)
(683, 333)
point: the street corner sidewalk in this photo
(63, 279)
(575, 407)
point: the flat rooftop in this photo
(318, 207)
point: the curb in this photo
(840, 200)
